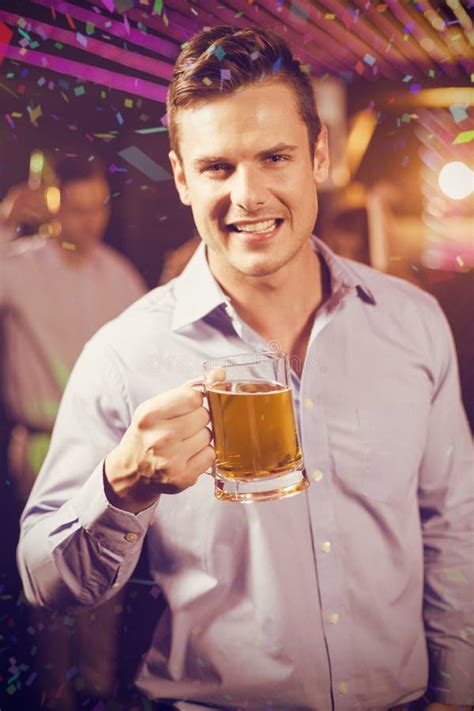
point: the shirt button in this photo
(334, 618)
(325, 547)
(317, 475)
(343, 688)
(131, 537)
(308, 404)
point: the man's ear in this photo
(179, 178)
(321, 157)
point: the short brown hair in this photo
(219, 60)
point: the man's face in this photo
(84, 212)
(248, 174)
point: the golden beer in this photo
(254, 429)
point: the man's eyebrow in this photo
(278, 148)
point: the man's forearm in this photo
(81, 554)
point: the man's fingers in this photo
(165, 406)
(192, 445)
(201, 461)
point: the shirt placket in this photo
(321, 511)
(326, 550)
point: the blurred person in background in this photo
(55, 292)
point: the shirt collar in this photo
(198, 293)
(344, 273)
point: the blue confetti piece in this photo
(81, 39)
(144, 164)
(368, 59)
(276, 65)
(71, 673)
(299, 11)
(458, 113)
(220, 54)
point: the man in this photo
(54, 294)
(315, 602)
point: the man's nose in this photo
(248, 191)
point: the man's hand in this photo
(165, 449)
(24, 205)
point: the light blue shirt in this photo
(322, 601)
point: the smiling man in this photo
(351, 595)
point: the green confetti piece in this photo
(90, 27)
(79, 90)
(24, 34)
(58, 45)
(38, 446)
(158, 7)
(156, 129)
(464, 137)
(123, 5)
(11, 689)
(60, 372)
(455, 575)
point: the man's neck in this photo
(281, 308)
(71, 254)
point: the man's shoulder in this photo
(23, 249)
(112, 258)
(389, 290)
(150, 315)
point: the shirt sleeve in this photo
(76, 548)
(446, 499)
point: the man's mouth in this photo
(260, 227)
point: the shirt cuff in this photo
(114, 529)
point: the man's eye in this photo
(217, 167)
(276, 158)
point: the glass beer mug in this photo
(258, 455)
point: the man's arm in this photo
(22, 205)
(446, 499)
(85, 522)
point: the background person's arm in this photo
(22, 205)
(446, 500)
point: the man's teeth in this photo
(257, 226)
